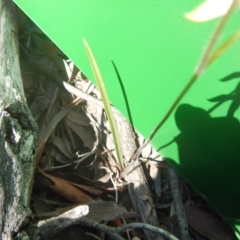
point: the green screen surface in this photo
(154, 49)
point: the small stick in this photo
(178, 204)
(47, 228)
(114, 232)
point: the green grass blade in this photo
(107, 106)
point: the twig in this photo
(160, 231)
(124, 222)
(110, 231)
(93, 235)
(179, 208)
(114, 183)
(114, 232)
(83, 157)
(47, 228)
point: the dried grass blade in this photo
(107, 106)
(224, 47)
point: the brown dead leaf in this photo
(98, 211)
(64, 189)
(86, 133)
(39, 104)
(41, 42)
(208, 226)
(78, 117)
(51, 108)
(107, 211)
(105, 178)
(68, 139)
(75, 71)
(41, 206)
(47, 129)
(60, 144)
(104, 185)
(89, 189)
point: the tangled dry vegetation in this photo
(77, 162)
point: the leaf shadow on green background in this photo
(209, 151)
(233, 96)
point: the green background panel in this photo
(155, 50)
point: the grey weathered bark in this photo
(178, 204)
(138, 187)
(18, 131)
(45, 229)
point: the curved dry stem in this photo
(114, 232)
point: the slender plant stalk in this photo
(204, 60)
(223, 47)
(107, 106)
